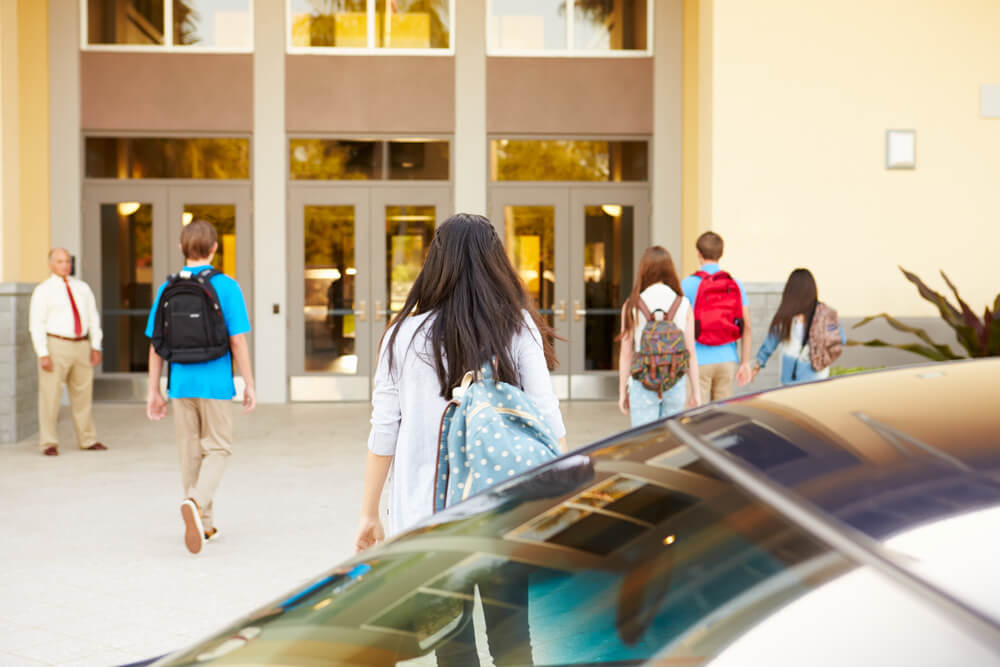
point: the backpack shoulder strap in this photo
(644, 309)
(673, 308)
(701, 274)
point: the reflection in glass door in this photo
(409, 231)
(354, 248)
(126, 236)
(330, 273)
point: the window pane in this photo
(126, 284)
(567, 160)
(409, 231)
(419, 160)
(607, 275)
(149, 157)
(527, 25)
(125, 22)
(603, 25)
(323, 23)
(334, 160)
(330, 275)
(530, 242)
(413, 24)
(223, 218)
(218, 23)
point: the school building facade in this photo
(327, 138)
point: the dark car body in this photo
(844, 522)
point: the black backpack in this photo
(189, 327)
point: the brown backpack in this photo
(823, 337)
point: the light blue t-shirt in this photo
(713, 354)
(209, 379)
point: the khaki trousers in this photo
(70, 366)
(204, 442)
(716, 381)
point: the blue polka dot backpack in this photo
(490, 432)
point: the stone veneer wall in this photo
(18, 373)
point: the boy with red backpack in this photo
(723, 334)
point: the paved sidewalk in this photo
(94, 569)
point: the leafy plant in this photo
(980, 338)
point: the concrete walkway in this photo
(94, 570)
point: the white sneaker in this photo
(194, 533)
(211, 535)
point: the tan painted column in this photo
(270, 176)
(66, 145)
(10, 238)
(667, 129)
(469, 160)
(33, 127)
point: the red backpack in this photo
(718, 309)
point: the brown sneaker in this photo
(51, 450)
(211, 534)
(194, 533)
(96, 447)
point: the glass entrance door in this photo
(358, 251)
(131, 243)
(576, 251)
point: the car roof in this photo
(908, 457)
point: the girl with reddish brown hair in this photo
(658, 287)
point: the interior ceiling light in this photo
(614, 210)
(128, 207)
(186, 218)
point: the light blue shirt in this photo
(713, 354)
(209, 379)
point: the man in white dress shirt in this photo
(66, 332)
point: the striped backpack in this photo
(662, 358)
(490, 432)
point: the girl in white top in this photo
(467, 306)
(658, 286)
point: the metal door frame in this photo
(118, 385)
(321, 386)
(369, 200)
(570, 380)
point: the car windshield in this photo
(606, 558)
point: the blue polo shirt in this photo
(713, 354)
(209, 379)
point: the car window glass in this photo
(615, 561)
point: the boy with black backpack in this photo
(198, 324)
(723, 334)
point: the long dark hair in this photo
(799, 298)
(655, 266)
(478, 300)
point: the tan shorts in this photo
(717, 380)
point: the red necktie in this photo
(77, 325)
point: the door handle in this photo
(379, 313)
(360, 312)
(578, 312)
(560, 310)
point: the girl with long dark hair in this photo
(658, 286)
(789, 327)
(467, 307)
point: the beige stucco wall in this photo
(801, 96)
